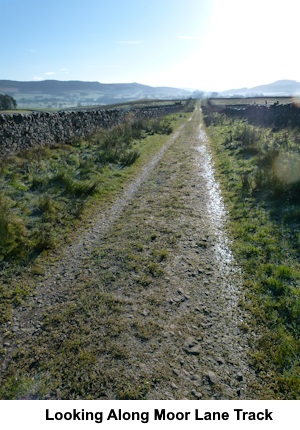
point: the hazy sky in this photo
(199, 44)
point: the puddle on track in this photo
(217, 216)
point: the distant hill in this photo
(278, 88)
(52, 93)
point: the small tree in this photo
(7, 102)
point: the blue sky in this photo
(199, 44)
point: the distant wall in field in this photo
(278, 115)
(158, 111)
(22, 131)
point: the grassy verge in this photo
(259, 171)
(47, 193)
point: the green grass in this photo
(11, 111)
(100, 330)
(46, 193)
(263, 200)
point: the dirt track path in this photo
(162, 255)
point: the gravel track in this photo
(58, 276)
(197, 344)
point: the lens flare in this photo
(287, 168)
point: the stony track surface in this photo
(162, 252)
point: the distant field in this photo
(16, 111)
(29, 110)
(125, 106)
(129, 105)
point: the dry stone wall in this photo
(22, 131)
(157, 111)
(274, 115)
(278, 115)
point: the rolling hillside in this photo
(279, 88)
(61, 94)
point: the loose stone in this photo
(212, 378)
